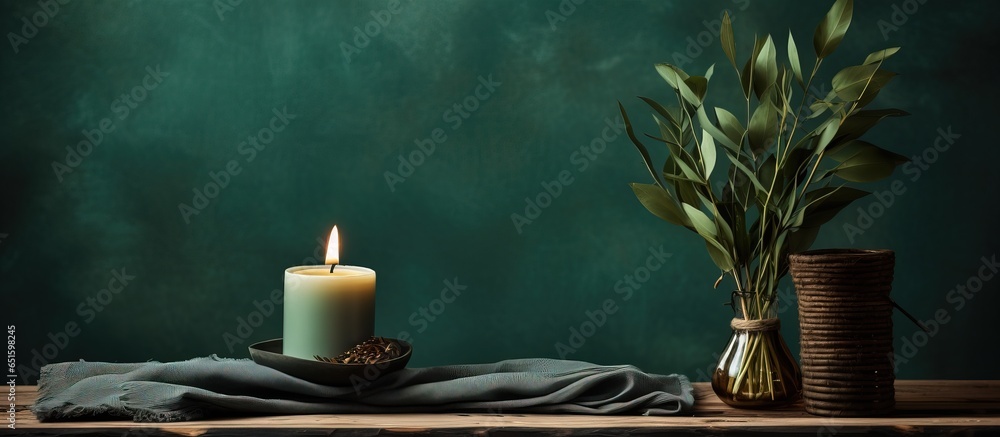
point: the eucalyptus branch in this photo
(805, 96)
(754, 254)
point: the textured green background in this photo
(452, 217)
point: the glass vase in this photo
(756, 370)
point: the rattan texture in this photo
(845, 316)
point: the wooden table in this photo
(938, 407)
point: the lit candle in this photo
(327, 311)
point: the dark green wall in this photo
(64, 234)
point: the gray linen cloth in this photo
(210, 387)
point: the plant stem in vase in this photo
(756, 370)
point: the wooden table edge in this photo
(937, 406)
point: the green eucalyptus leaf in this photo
(669, 133)
(683, 159)
(708, 153)
(689, 172)
(749, 174)
(831, 30)
(763, 203)
(701, 222)
(808, 141)
(787, 92)
(719, 255)
(691, 96)
(881, 55)
(670, 114)
(689, 193)
(685, 188)
(763, 127)
(847, 151)
(793, 59)
(736, 189)
(823, 204)
(880, 79)
(698, 86)
(672, 74)
(674, 175)
(767, 171)
(708, 230)
(659, 202)
(765, 72)
(789, 201)
(859, 123)
(709, 72)
(794, 167)
(734, 215)
(826, 135)
(779, 245)
(861, 161)
(746, 79)
(638, 145)
(676, 78)
(727, 40)
(821, 106)
(777, 91)
(851, 82)
(730, 125)
(719, 136)
(864, 172)
(725, 232)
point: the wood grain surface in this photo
(934, 407)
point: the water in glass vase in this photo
(756, 370)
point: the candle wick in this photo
(332, 266)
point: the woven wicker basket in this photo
(846, 330)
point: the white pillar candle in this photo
(326, 313)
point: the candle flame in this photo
(333, 247)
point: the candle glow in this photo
(333, 247)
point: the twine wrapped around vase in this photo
(755, 325)
(845, 315)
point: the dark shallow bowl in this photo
(268, 353)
